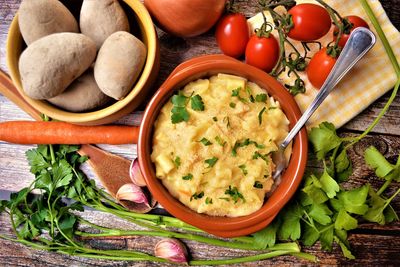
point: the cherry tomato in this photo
(262, 52)
(355, 22)
(319, 67)
(310, 21)
(232, 34)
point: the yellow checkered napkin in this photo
(367, 81)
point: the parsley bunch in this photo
(322, 209)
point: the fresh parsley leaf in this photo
(329, 185)
(320, 213)
(236, 93)
(378, 162)
(243, 169)
(261, 98)
(177, 161)
(266, 237)
(245, 142)
(211, 162)
(380, 210)
(232, 105)
(260, 115)
(310, 235)
(345, 221)
(313, 190)
(179, 114)
(290, 228)
(345, 249)
(197, 103)
(205, 141)
(326, 239)
(197, 196)
(258, 155)
(258, 185)
(352, 201)
(187, 177)
(251, 97)
(209, 201)
(36, 161)
(343, 166)
(324, 139)
(179, 100)
(234, 193)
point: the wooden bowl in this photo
(207, 66)
(141, 26)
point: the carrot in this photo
(30, 132)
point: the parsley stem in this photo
(391, 198)
(258, 257)
(384, 186)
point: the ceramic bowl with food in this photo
(230, 225)
(141, 26)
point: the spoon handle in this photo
(359, 43)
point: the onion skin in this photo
(185, 18)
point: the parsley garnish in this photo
(244, 143)
(236, 93)
(197, 196)
(257, 155)
(232, 105)
(251, 97)
(234, 193)
(228, 123)
(205, 141)
(197, 103)
(209, 201)
(220, 141)
(177, 161)
(261, 98)
(215, 119)
(260, 115)
(179, 112)
(211, 162)
(243, 168)
(187, 177)
(258, 185)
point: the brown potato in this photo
(119, 63)
(82, 95)
(100, 19)
(49, 65)
(39, 18)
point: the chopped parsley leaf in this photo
(271, 108)
(220, 141)
(177, 161)
(209, 201)
(261, 98)
(232, 105)
(215, 119)
(228, 123)
(251, 97)
(178, 111)
(187, 177)
(260, 115)
(234, 193)
(205, 141)
(246, 142)
(179, 100)
(211, 162)
(225, 198)
(258, 155)
(258, 185)
(197, 103)
(197, 195)
(236, 92)
(243, 168)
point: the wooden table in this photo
(371, 244)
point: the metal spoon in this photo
(359, 43)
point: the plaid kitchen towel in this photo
(372, 77)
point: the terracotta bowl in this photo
(207, 66)
(141, 26)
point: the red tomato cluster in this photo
(310, 22)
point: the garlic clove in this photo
(171, 249)
(132, 192)
(136, 174)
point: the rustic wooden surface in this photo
(372, 244)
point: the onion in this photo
(185, 18)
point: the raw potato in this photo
(100, 19)
(82, 95)
(119, 63)
(39, 18)
(49, 65)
